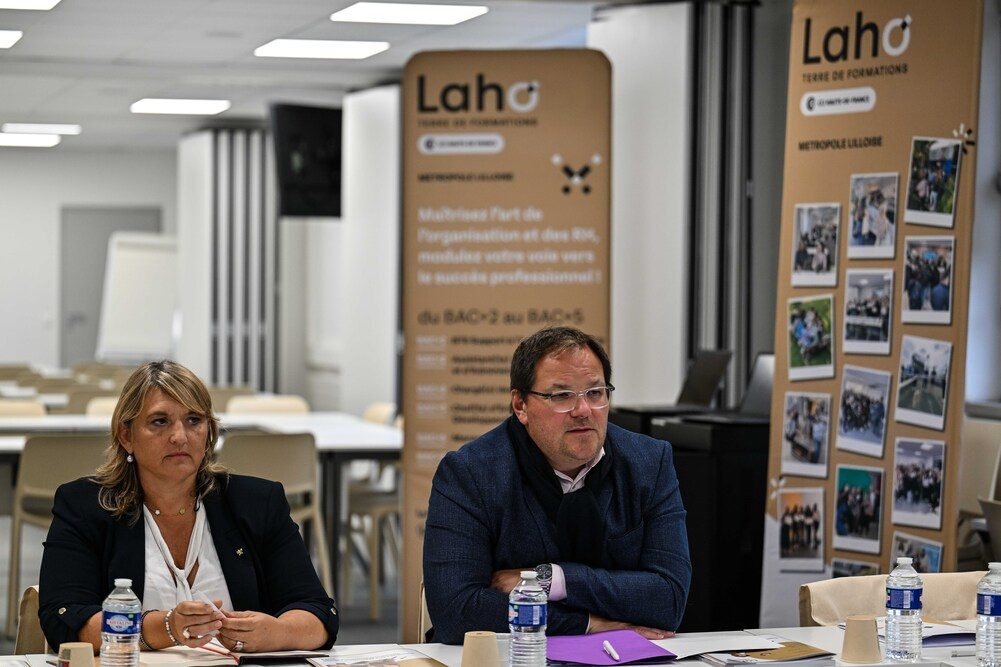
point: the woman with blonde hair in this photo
(163, 513)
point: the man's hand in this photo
(505, 580)
(599, 624)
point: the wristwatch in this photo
(544, 575)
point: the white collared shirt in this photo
(166, 585)
(570, 485)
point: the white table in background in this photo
(340, 439)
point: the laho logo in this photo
(522, 96)
(894, 38)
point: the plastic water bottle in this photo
(526, 617)
(120, 619)
(903, 613)
(989, 618)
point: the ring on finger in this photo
(238, 646)
(186, 633)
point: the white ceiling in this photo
(86, 61)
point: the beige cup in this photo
(861, 643)
(76, 654)
(479, 649)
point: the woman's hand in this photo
(191, 622)
(256, 630)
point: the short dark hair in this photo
(547, 341)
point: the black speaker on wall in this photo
(307, 159)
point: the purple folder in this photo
(587, 649)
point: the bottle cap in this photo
(904, 560)
(994, 566)
(529, 574)
(123, 583)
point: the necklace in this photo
(180, 512)
(158, 512)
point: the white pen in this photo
(607, 647)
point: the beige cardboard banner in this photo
(874, 265)
(505, 231)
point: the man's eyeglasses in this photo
(565, 401)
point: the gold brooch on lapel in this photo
(239, 552)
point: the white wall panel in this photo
(195, 256)
(983, 357)
(227, 247)
(649, 48)
(35, 184)
(353, 279)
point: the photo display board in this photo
(506, 205)
(873, 286)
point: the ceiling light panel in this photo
(320, 48)
(29, 140)
(9, 38)
(408, 13)
(179, 106)
(28, 4)
(40, 128)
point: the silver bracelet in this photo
(166, 624)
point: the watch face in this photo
(545, 572)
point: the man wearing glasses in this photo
(593, 508)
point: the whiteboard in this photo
(139, 305)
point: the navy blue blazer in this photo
(261, 552)
(482, 518)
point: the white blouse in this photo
(166, 585)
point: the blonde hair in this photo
(121, 493)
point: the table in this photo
(57, 400)
(340, 439)
(828, 638)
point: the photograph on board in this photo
(868, 310)
(801, 530)
(858, 505)
(865, 397)
(843, 567)
(918, 475)
(815, 245)
(806, 431)
(811, 345)
(923, 387)
(873, 210)
(927, 296)
(933, 181)
(925, 555)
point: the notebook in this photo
(631, 647)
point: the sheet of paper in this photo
(954, 633)
(967, 624)
(686, 646)
(374, 654)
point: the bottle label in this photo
(988, 605)
(903, 598)
(525, 615)
(120, 623)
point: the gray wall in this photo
(769, 71)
